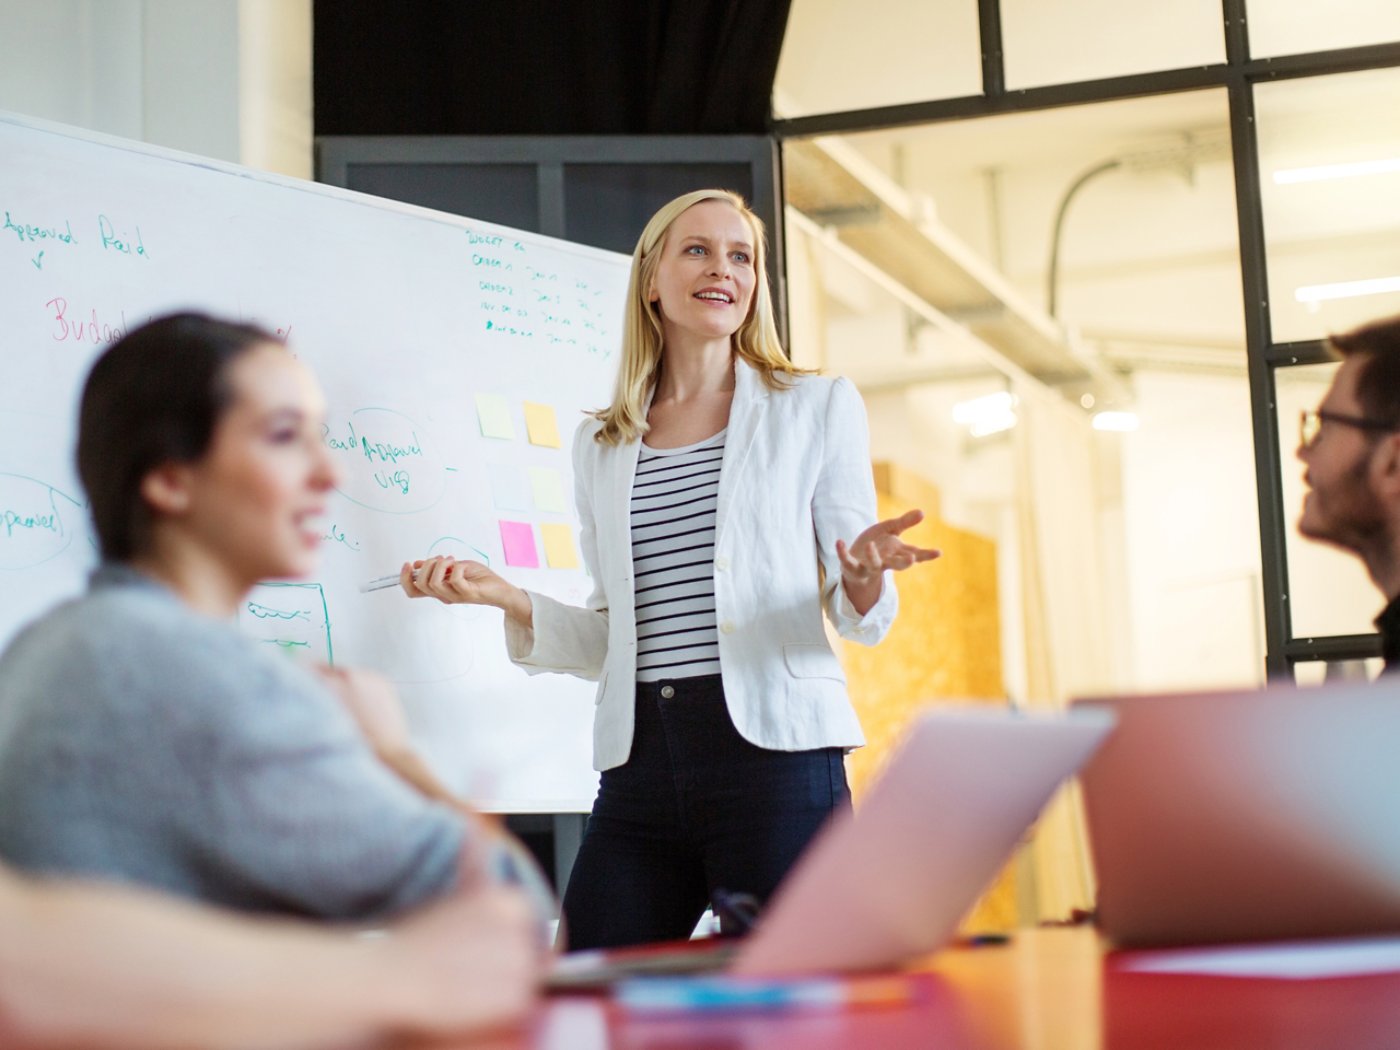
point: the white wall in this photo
(1173, 503)
(1175, 508)
(274, 81)
(1191, 529)
(229, 79)
(75, 61)
(840, 55)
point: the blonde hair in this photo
(756, 340)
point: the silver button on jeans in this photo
(668, 691)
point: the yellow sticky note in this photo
(542, 425)
(559, 549)
(494, 413)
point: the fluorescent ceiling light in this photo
(993, 425)
(1317, 293)
(981, 407)
(1120, 422)
(986, 415)
(1322, 172)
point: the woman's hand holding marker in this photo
(454, 582)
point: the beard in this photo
(1348, 514)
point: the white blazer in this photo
(795, 478)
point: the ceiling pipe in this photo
(1178, 157)
(1053, 280)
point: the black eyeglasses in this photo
(1310, 424)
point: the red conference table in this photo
(1051, 989)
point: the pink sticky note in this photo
(518, 539)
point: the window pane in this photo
(1192, 532)
(1148, 262)
(839, 55)
(1148, 280)
(1286, 27)
(1329, 591)
(1329, 160)
(1074, 40)
(1330, 672)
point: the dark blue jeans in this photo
(695, 808)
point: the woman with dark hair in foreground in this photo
(145, 740)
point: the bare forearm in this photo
(875, 552)
(466, 582)
(516, 604)
(411, 768)
(864, 594)
(109, 967)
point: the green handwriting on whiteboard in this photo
(263, 612)
(387, 465)
(33, 234)
(383, 451)
(493, 240)
(32, 526)
(123, 244)
(282, 643)
(335, 534)
(22, 520)
(292, 616)
(111, 236)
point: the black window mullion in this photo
(993, 60)
(1244, 140)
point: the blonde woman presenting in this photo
(725, 499)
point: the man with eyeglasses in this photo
(1351, 448)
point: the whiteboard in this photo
(447, 348)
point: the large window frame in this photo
(1238, 75)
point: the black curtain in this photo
(545, 67)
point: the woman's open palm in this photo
(879, 548)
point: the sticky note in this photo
(542, 425)
(494, 413)
(559, 549)
(549, 489)
(509, 487)
(518, 539)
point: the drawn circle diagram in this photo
(386, 461)
(425, 642)
(461, 549)
(37, 521)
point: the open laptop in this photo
(891, 882)
(1247, 816)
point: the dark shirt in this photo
(1388, 623)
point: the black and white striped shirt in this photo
(673, 558)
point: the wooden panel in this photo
(945, 645)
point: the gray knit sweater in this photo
(143, 742)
